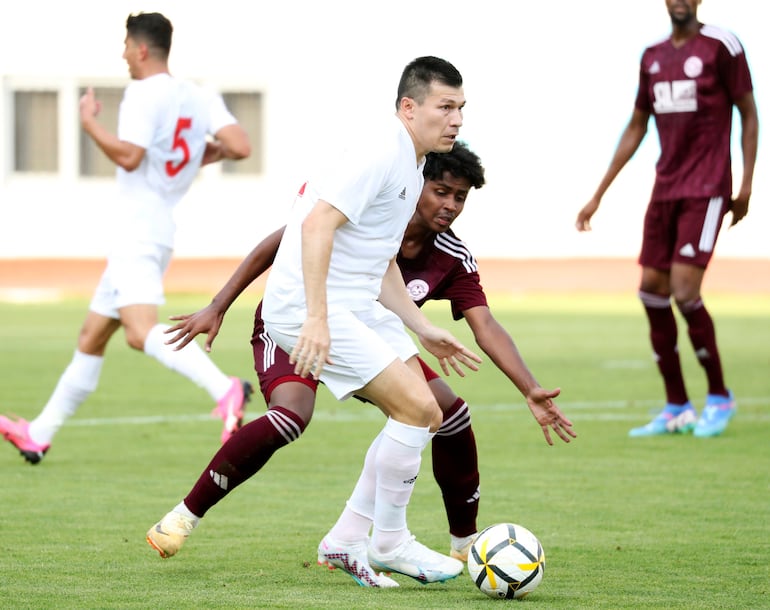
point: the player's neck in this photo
(152, 69)
(681, 33)
(415, 237)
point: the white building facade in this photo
(549, 91)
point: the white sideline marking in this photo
(366, 413)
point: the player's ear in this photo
(406, 106)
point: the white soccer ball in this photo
(506, 561)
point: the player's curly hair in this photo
(153, 29)
(418, 75)
(461, 162)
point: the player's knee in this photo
(135, 340)
(437, 419)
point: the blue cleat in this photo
(717, 413)
(673, 419)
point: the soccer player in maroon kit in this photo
(690, 83)
(435, 265)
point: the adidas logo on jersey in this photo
(402, 194)
(687, 250)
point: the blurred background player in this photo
(690, 83)
(165, 131)
(435, 264)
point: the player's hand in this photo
(208, 320)
(311, 351)
(583, 222)
(739, 208)
(548, 415)
(448, 350)
(213, 152)
(90, 107)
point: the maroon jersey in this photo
(691, 91)
(444, 269)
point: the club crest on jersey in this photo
(417, 289)
(693, 66)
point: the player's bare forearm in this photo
(233, 142)
(311, 350)
(630, 140)
(253, 266)
(496, 343)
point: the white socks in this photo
(384, 487)
(77, 382)
(192, 362)
(81, 377)
(182, 509)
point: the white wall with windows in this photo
(550, 87)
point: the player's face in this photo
(441, 201)
(682, 11)
(131, 53)
(437, 121)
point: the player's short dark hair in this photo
(418, 75)
(461, 162)
(153, 29)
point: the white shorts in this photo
(134, 276)
(363, 344)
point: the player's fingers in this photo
(456, 366)
(547, 435)
(444, 367)
(562, 434)
(174, 328)
(296, 351)
(471, 364)
(210, 340)
(180, 340)
(469, 354)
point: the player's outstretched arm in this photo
(496, 343)
(209, 319)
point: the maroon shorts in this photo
(681, 231)
(272, 363)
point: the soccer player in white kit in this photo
(336, 301)
(163, 127)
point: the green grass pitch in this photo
(673, 522)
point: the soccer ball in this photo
(506, 561)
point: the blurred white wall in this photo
(549, 85)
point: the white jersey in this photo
(377, 189)
(169, 118)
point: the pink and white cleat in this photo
(231, 407)
(17, 433)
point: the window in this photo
(36, 131)
(93, 162)
(48, 137)
(247, 108)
